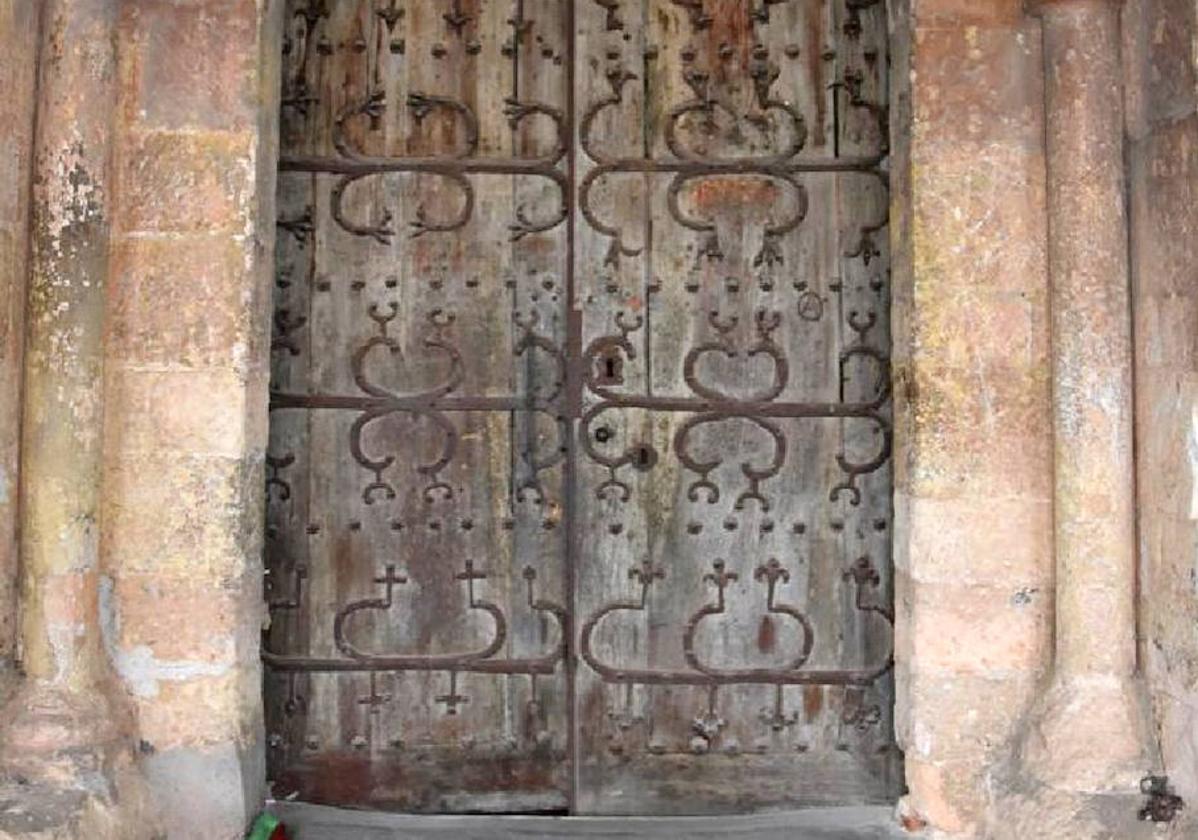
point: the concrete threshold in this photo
(316, 822)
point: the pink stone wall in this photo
(973, 438)
(1159, 54)
(18, 63)
(186, 369)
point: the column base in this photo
(1089, 735)
(58, 736)
(45, 811)
(66, 763)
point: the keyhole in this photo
(603, 434)
(611, 369)
(646, 457)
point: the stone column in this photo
(60, 720)
(1089, 732)
(18, 68)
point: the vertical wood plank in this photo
(746, 312)
(727, 510)
(432, 662)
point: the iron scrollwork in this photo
(587, 384)
(793, 672)
(765, 408)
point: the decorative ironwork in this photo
(599, 366)
(409, 358)
(482, 661)
(700, 674)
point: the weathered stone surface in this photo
(957, 541)
(176, 775)
(973, 435)
(1162, 125)
(64, 728)
(178, 304)
(186, 427)
(959, 13)
(190, 707)
(975, 432)
(1088, 733)
(188, 411)
(174, 514)
(182, 65)
(113, 808)
(948, 794)
(186, 181)
(18, 42)
(956, 629)
(963, 716)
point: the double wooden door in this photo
(579, 486)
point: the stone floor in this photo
(312, 822)
(29, 810)
(89, 805)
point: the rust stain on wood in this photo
(756, 194)
(813, 701)
(767, 635)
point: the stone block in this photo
(973, 630)
(977, 541)
(980, 432)
(1167, 331)
(967, 325)
(208, 792)
(1166, 441)
(186, 621)
(182, 515)
(930, 14)
(974, 86)
(947, 794)
(960, 717)
(977, 228)
(190, 65)
(186, 182)
(1164, 213)
(196, 412)
(1170, 84)
(176, 707)
(184, 301)
(1169, 548)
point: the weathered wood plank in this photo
(413, 298)
(659, 410)
(745, 302)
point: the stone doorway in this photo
(1042, 184)
(579, 491)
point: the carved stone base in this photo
(1089, 735)
(66, 769)
(58, 736)
(45, 811)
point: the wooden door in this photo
(579, 478)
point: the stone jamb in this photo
(1089, 283)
